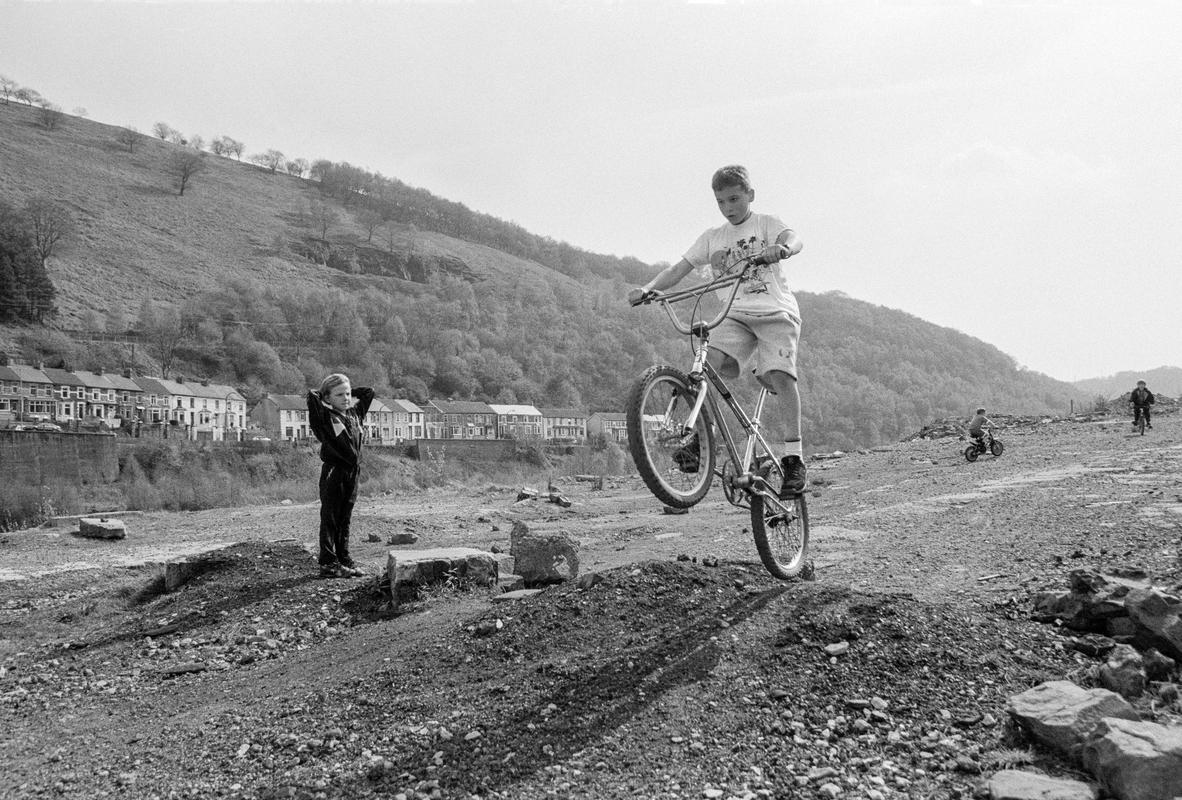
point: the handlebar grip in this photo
(645, 298)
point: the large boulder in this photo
(1060, 715)
(101, 528)
(543, 556)
(1124, 672)
(1159, 617)
(1136, 760)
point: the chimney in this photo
(127, 373)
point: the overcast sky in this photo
(1009, 169)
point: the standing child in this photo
(763, 326)
(335, 412)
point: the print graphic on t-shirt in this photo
(756, 279)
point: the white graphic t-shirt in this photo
(765, 289)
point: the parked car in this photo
(47, 426)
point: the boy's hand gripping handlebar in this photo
(666, 300)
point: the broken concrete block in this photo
(406, 569)
(101, 528)
(1159, 616)
(543, 556)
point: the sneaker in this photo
(688, 457)
(332, 571)
(351, 571)
(794, 477)
(1147, 425)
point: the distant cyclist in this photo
(1142, 399)
(977, 428)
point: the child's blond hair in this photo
(331, 382)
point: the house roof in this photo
(151, 385)
(563, 412)
(28, 374)
(461, 406)
(93, 380)
(515, 409)
(614, 416)
(406, 405)
(123, 382)
(60, 377)
(8, 375)
(288, 402)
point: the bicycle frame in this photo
(704, 376)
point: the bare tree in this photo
(166, 330)
(218, 146)
(182, 165)
(234, 147)
(370, 220)
(79, 111)
(8, 88)
(324, 217)
(297, 167)
(128, 136)
(162, 130)
(272, 159)
(197, 142)
(50, 115)
(49, 223)
(178, 138)
(27, 96)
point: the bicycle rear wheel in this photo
(1141, 425)
(675, 462)
(782, 538)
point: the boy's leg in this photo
(786, 406)
(328, 517)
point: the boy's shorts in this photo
(767, 341)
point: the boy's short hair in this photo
(1140, 383)
(731, 175)
(980, 411)
(331, 382)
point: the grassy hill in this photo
(272, 280)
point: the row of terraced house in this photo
(203, 410)
(285, 416)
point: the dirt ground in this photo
(684, 671)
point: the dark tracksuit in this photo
(340, 450)
(1142, 400)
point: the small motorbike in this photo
(986, 444)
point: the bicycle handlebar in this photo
(666, 300)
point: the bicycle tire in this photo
(971, 453)
(1141, 426)
(664, 393)
(996, 447)
(781, 540)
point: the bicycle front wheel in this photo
(782, 538)
(675, 461)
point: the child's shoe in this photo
(795, 477)
(332, 571)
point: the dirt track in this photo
(654, 683)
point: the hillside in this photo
(1162, 380)
(269, 280)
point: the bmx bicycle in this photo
(986, 444)
(672, 419)
(1140, 412)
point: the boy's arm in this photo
(364, 395)
(317, 416)
(669, 276)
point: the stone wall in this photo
(39, 457)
